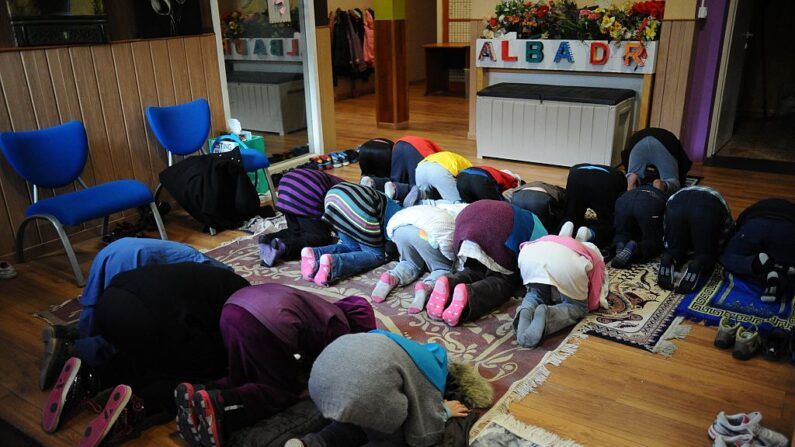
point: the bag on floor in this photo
(214, 189)
(375, 157)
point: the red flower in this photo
(649, 8)
(543, 10)
(493, 22)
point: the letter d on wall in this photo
(596, 58)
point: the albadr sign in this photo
(631, 57)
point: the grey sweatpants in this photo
(545, 311)
(649, 151)
(433, 175)
(416, 256)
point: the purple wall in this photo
(704, 77)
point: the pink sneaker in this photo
(307, 263)
(323, 272)
(439, 297)
(98, 429)
(54, 407)
(460, 299)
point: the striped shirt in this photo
(356, 211)
(302, 191)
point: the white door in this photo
(735, 44)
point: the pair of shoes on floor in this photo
(692, 275)
(316, 270)
(199, 415)
(7, 271)
(339, 159)
(745, 342)
(438, 307)
(118, 419)
(744, 429)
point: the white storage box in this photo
(553, 124)
(268, 102)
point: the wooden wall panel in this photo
(675, 53)
(108, 88)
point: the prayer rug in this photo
(641, 314)
(725, 295)
(489, 343)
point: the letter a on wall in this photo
(564, 52)
(486, 51)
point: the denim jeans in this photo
(417, 255)
(561, 312)
(649, 151)
(349, 258)
(433, 175)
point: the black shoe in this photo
(690, 278)
(665, 274)
(775, 345)
(58, 341)
(209, 406)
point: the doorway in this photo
(754, 115)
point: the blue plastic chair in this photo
(183, 129)
(55, 157)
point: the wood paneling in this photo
(674, 54)
(392, 107)
(108, 88)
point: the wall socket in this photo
(702, 12)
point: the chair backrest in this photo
(49, 158)
(182, 129)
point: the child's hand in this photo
(456, 408)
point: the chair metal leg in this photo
(158, 190)
(158, 220)
(67, 246)
(105, 221)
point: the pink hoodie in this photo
(595, 276)
(369, 38)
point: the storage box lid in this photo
(588, 95)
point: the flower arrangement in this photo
(563, 19)
(233, 25)
(236, 25)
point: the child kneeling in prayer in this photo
(359, 215)
(565, 279)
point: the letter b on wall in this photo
(534, 51)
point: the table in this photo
(440, 58)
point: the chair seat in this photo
(254, 160)
(98, 201)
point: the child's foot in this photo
(385, 284)
(624, 255)
(690, 278)
(584, 234)
(367, 181)
(66, 390)
(390, 190)
(99, 428)
(439, 297)
(567, 229)
(187, 417)
(665, 274)
(269, 253)
(535, 331)
(324, 271)
(421, 292)
(307, 263)
(453, 312)
(209, 406)
(772, 283)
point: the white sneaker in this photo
(746, 424)
(735, 441)
(7, 271)
(567, 229)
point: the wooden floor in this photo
(606, 394)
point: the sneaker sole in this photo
(208, 427)
(98, 428)
(51, 415)
(186, 419)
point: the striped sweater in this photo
(302, 191)
(356, 211)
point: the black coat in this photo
(214, 189)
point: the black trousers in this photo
(694, 221)
(487, 289)
(597, 190)
(639, 218)
(476, 186)
(302, 232)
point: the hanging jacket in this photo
(340, 50)
(369, 37)
(214, 189)
(355, 44)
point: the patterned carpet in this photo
(641, 314)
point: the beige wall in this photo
(349, 4)
(420, 29)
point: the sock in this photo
(585, 234)
(567, 229)
(772, 283)
(421, 293)
(624, 255)
(390, 190)
(760, 264)
(385, 284)
(531, 337)
(367, 181)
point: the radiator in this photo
(276, 108)
(553, 132)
